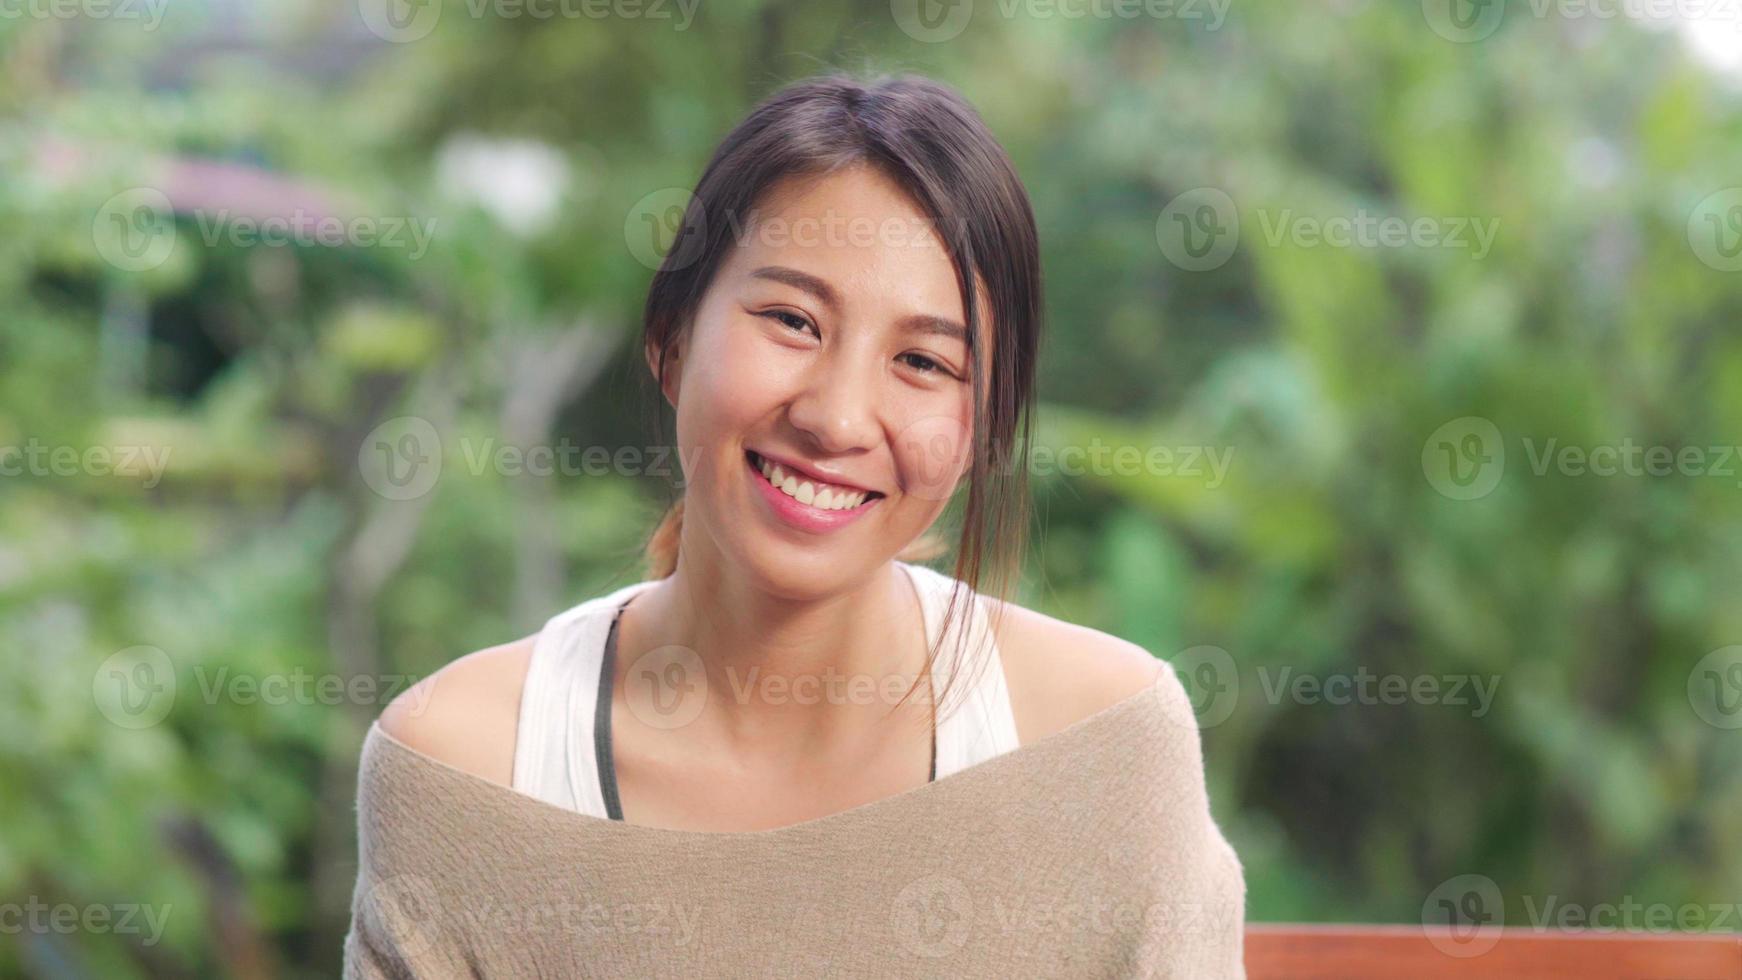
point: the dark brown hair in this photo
(930, 142)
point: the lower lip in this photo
(802, 515)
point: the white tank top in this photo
(556, 750)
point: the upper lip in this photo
(813, 473)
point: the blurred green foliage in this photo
(1321, 374)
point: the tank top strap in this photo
(976, 722)
(554, 753)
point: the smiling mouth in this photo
(812, 493)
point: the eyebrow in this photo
(800, 280)
(922, 323)
(917, 323)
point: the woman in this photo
(793, 750)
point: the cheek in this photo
(932, 449)
(733, 382)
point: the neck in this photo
(799, 672)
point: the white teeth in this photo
(820, 496)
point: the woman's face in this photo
(831, 344)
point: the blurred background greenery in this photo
(205, 528)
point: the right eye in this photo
(790, 319)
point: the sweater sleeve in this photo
(1196, 917)
(387, 939)
(396, 917)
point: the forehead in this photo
(858, 230)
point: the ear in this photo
(668, 385)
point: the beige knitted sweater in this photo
(1088, 853)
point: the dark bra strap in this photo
(602, 753)
(602, 724)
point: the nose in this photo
(837, 408)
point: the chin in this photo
(795, 571)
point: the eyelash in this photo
(935, 368)
(783, 317)
(780, 316)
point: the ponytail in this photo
(662, 546)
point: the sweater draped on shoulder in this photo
(1089, 853)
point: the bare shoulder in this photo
(466, 713)
(1060, 673)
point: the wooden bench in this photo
(1309, 952)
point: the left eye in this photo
(924, 364)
